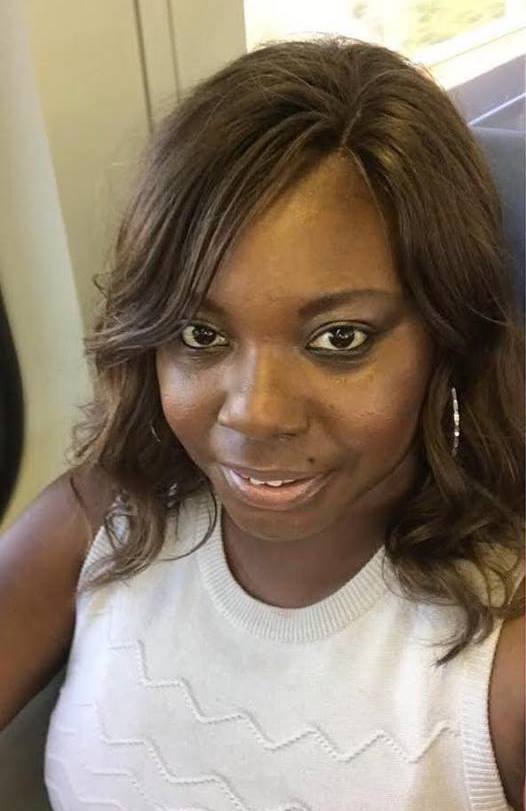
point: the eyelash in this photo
(344, 353)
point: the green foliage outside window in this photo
(432, 21)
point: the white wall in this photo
(90, 83)
(35, 268)
(106, 71)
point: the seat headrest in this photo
(505, 153)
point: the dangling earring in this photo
(456, 422)
(154, 432)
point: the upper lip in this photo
(275, 474)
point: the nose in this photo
(263, 397)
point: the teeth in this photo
(272, 484)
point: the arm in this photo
(41, 555)
(507, 710)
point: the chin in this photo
(278, 526)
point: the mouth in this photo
(280, 494)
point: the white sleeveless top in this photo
(184, 693)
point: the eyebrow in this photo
(325, 302)
(331, 300)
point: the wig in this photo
(227, 151)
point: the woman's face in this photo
(308, 360)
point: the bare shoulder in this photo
(41, 555)
(95, 493)
(507, 709)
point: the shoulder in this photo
(95, 492)
(507, 708)
(41, 555)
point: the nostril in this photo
(271, 421)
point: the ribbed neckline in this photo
(289, 625)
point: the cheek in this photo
(186, 400)
(379, 413)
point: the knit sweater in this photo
(184, 693)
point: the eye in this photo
(200, 336)
(342, 337)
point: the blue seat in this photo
(505, 153)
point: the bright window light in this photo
(428, 31)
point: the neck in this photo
(294, 574)
(297, 573)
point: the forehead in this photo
(323, 234)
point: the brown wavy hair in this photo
(225, 153)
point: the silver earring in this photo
(154, 432)
(456, 422)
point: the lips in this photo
(276, 474)
(275, 498)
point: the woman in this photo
(305, 449)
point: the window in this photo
(430, 31)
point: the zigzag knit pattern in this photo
(183, 693)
